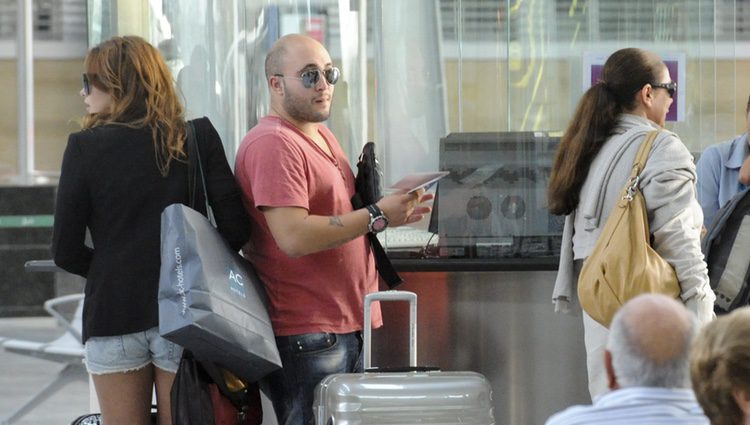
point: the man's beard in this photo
(303, 113)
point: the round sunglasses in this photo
(311, 77)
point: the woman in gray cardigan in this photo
(592, 166)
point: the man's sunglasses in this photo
(311, 77)
(670, 87)
(86, 84)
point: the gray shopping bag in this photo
(211, 301)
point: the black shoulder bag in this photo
(367, 191)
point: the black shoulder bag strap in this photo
(368, 192)
(383, 263)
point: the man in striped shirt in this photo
(647, 366)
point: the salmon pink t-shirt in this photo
(279, 166)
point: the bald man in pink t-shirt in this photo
(307, 242)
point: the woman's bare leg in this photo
(125, 398)
(163, 381)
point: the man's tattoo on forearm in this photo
(336, 221)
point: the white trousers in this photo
(595, 339)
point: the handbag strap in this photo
(195, 168)
(383, 263)
(642, 156)
(192, 163)
(639, 163)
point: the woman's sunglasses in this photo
(670, 87)
(86, 84)
(311, 77)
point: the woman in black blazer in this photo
(127, 164)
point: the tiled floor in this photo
(21, 377)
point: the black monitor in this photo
(494, 202)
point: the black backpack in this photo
(726, 249)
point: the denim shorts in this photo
(125, 353)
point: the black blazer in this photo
(110, 183)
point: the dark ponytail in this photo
(625, 73)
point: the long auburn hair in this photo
(135, 74)
(625, 72)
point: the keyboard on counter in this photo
(406, 238)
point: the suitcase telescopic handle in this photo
(411, 297)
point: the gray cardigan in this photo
(675, 217)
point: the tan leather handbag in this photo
(623, 264)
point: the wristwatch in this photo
(378, 220)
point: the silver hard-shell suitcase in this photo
(412, 396)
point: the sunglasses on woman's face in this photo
(670, 87)
(86, 84)
(311, 77)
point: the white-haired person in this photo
(647, 365)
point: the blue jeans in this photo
(307, 359)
